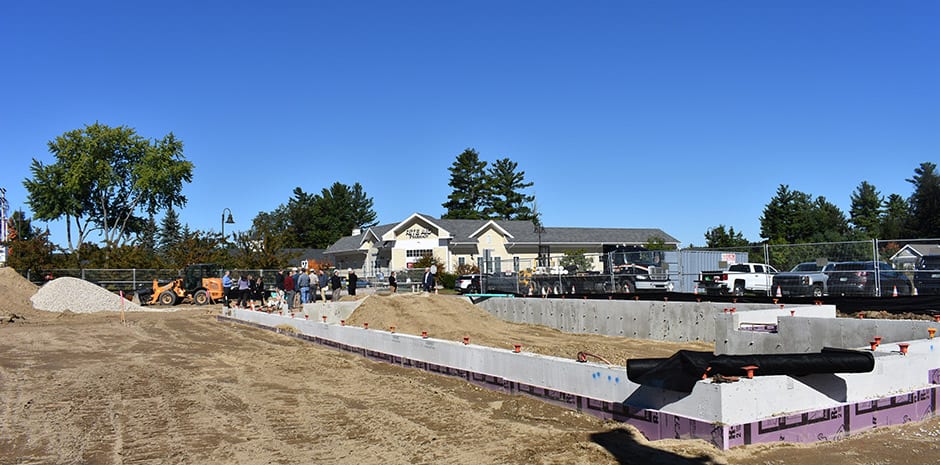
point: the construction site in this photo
(87, 376)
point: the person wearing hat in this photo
(351, 282)
(336, 285)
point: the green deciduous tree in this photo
(104, 178)
(576, 260)
(925, 202)
(468, 180)
(30, 248)
(197, 247)
(504, 199)
(866, 210)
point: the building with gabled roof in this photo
(492, 245)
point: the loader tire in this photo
(201, 297)
(167, 298)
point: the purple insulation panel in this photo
(817, 425)
(895, 410)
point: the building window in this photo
(461, 261)
(418, 253)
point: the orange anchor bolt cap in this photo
(903, 346)
(424, 334)
(931, 332)
(466, 340)
(517, 348)
(750, 370)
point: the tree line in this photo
(114, 183)
(794, 217)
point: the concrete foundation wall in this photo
(658, 320)
(806, 334)
(767, 408)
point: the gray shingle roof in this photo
(523, 232)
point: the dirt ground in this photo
(180, 387)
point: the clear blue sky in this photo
(675, 115)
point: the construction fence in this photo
(680, 267)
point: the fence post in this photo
(874, 254)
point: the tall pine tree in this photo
(925, 202)
(468, 180)
(867, 207)
(505, 201)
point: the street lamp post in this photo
(228, 220)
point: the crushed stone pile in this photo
(79, 296)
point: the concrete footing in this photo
(901, 388)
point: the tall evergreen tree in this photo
(147, 238)
(867, 208)
(826, 222)
(338, 210)
(785, 217)
(895, 218)
(469, 182)
(505, 200)
(718, 237)
(170, 233)
(925, 202)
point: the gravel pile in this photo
(79, 296)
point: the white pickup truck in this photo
(739, 278)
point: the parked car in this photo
(738, 279)
(468, 284)
(927, 275)
(860, 279)
(807, 279)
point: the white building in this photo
(492, 245)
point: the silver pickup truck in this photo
(807, 279)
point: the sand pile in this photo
(15, 292)
(79, 296)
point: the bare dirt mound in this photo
(453, 318)
(15, 292)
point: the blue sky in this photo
(675, 115)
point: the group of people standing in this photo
(248, 291)
(301, 287)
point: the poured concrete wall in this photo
(799, 334)
(658, 320)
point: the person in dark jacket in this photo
(393, 282)
(289, 290)
(428, 280)
(323, 282)
(336, 285)
(352, 282)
